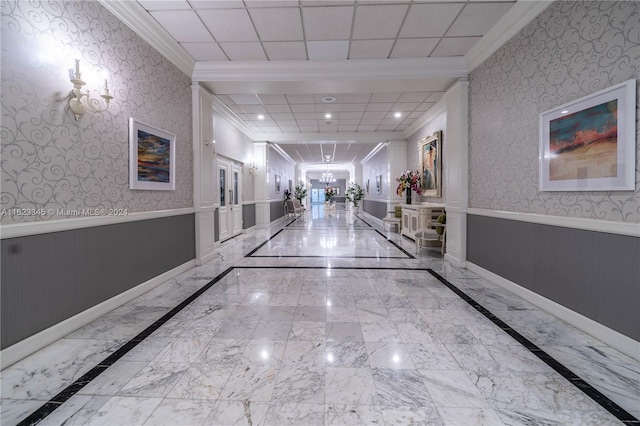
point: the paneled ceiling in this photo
(325, 76)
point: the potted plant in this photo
(408, 181)
(354, 194)
(328, 193)
(300, 192)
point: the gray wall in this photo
(248, 215)
(593, 273)
(48, 278)
(375, 208)
(276, 210)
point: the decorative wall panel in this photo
(52, 162)
(571, 50)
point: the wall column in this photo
(263, 215)
(203, 173)
(455, 155)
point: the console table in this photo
(419, 216)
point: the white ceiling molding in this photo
(425, 118)
(232, 118)
(516, 18)
(354, 69)
(374, 151)
(280, 151)
(136, 17)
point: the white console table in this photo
(419, 216)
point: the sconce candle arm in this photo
(76, 104)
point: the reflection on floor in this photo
(323, 319)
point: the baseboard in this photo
(28, 346)
(616, 340)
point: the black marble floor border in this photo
(606, 403)
(57, 401)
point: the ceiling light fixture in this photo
(329, 99)
(260, 117)
(327, 115)
(397, 115)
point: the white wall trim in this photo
(46, 226)
(137, 18)
(439, 108)
(616, 340)
(607, 226)
(516, 18)
(26, 347)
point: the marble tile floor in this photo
(327, 321)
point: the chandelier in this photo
(327, 178)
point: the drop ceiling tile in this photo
(287, 122)
(415, 114)
(306, 122)
(277, 24)
(425, 106)
(244, 51)
(429, 20)
(253, 109)
(356, 98)
(347, 128)
(370, 121)
(183, 25)
(405, 106)
(392, 115)
(349, 122)
(477, 19)
(362, 128)
(308, 128)
(229, 24)
(408, 121)
(270, 3)
(282, 116)
(277, 108)
(285, 50)
(385, 97)
(328, 50)
(215, 4)
(327, 23)
(305, 115)
(272, 99)
(235, 108)
(435, 97)
(370, 49)
(204, 51)
(225, 99)
(245, 99)
(299, 99)
(378, 21)
(413, 96)
(382, 106)
(351, 115)
(414, 47)
(355, 107)
(164, 4)
(290, 129)
(303, 108)
(455, 46)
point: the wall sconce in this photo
(253, 169)
(76, 104)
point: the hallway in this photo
(324, 319)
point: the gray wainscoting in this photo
(248, 216)
(48, 278)
(593, 273)
(375, 208)
(276, 210)
(216, 225)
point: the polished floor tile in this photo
(323, 320)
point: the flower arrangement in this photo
(354, 194)
(409, 180)
(328, 193)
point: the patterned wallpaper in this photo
(52, 163)
(571, 50)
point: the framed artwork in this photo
(378, 184)
(290, 186)
(278, 182)
(431, 164)
(589, 144)
(367, 186)
(152, 157)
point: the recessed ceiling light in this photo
(564, 112)
(260, 117)
(397, 115)
(329, 99)
(327, 115)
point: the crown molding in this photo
(439, 108)
(231, 117)
(136, 17)
(353, 69)
(516, 18)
